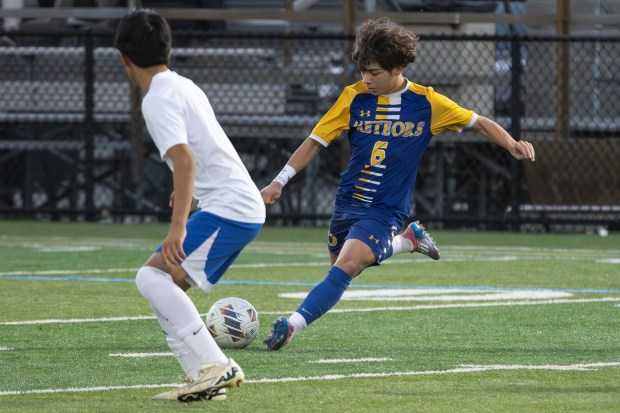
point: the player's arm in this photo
(329, 128)
(495, 133)
(306, 152)
(183, 178)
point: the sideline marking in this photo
(608, 261)
(3, 348)
(321, 361)
(471, 369)
(336, 310)
(139, 354)
(573, 367)
(61, 272)
(6, 276)
(78, 320)
(362, 360)
(439, 294)
(255, 265)
(472, 305)
(69, 249)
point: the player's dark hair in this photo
(383, 42)
(144, 37)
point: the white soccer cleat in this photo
(212, 380)
(174, 394)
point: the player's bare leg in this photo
(354, 257)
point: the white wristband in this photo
(285, 174)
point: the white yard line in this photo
(322, 263)
(362, 360)
(140, 355)
(77, 320)
(457, 257)
(85, 389)
(336, 310)
(459, 370)
(65, 272)
(576, 367)
(3, 348)
(437, 294)
(468, 305)
(321, 361)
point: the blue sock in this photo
(324, 295)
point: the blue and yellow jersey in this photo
(388, 135)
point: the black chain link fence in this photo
(73, 146)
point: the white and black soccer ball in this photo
(233, 322)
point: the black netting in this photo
(72, 143)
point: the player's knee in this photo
(352, 264)
(148, 275)
(141, 279)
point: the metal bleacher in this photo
(65, 97)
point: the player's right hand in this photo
(172, 252)
(271, 193)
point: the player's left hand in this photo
(172, 252)
(523, 150)
(271, 193)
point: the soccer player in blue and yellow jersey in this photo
(389, 121)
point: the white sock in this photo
(184, 355)
(298, 322)
(187, 359)
(179, 314)
(203, 345)
(401, 244)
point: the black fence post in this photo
(89, 107)
(515, 130)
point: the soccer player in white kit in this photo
(206, 168)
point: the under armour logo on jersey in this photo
(364, 113)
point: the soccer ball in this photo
(233, 322)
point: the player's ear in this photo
(124, 59)
(397, 71)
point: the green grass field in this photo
(502, 323)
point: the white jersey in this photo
(176, 112)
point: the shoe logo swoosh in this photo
(229, 375)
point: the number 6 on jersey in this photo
(378, 153)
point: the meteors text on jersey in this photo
(390, 128)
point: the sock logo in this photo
(197, 331)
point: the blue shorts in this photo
(374, 232)
(211, 245)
